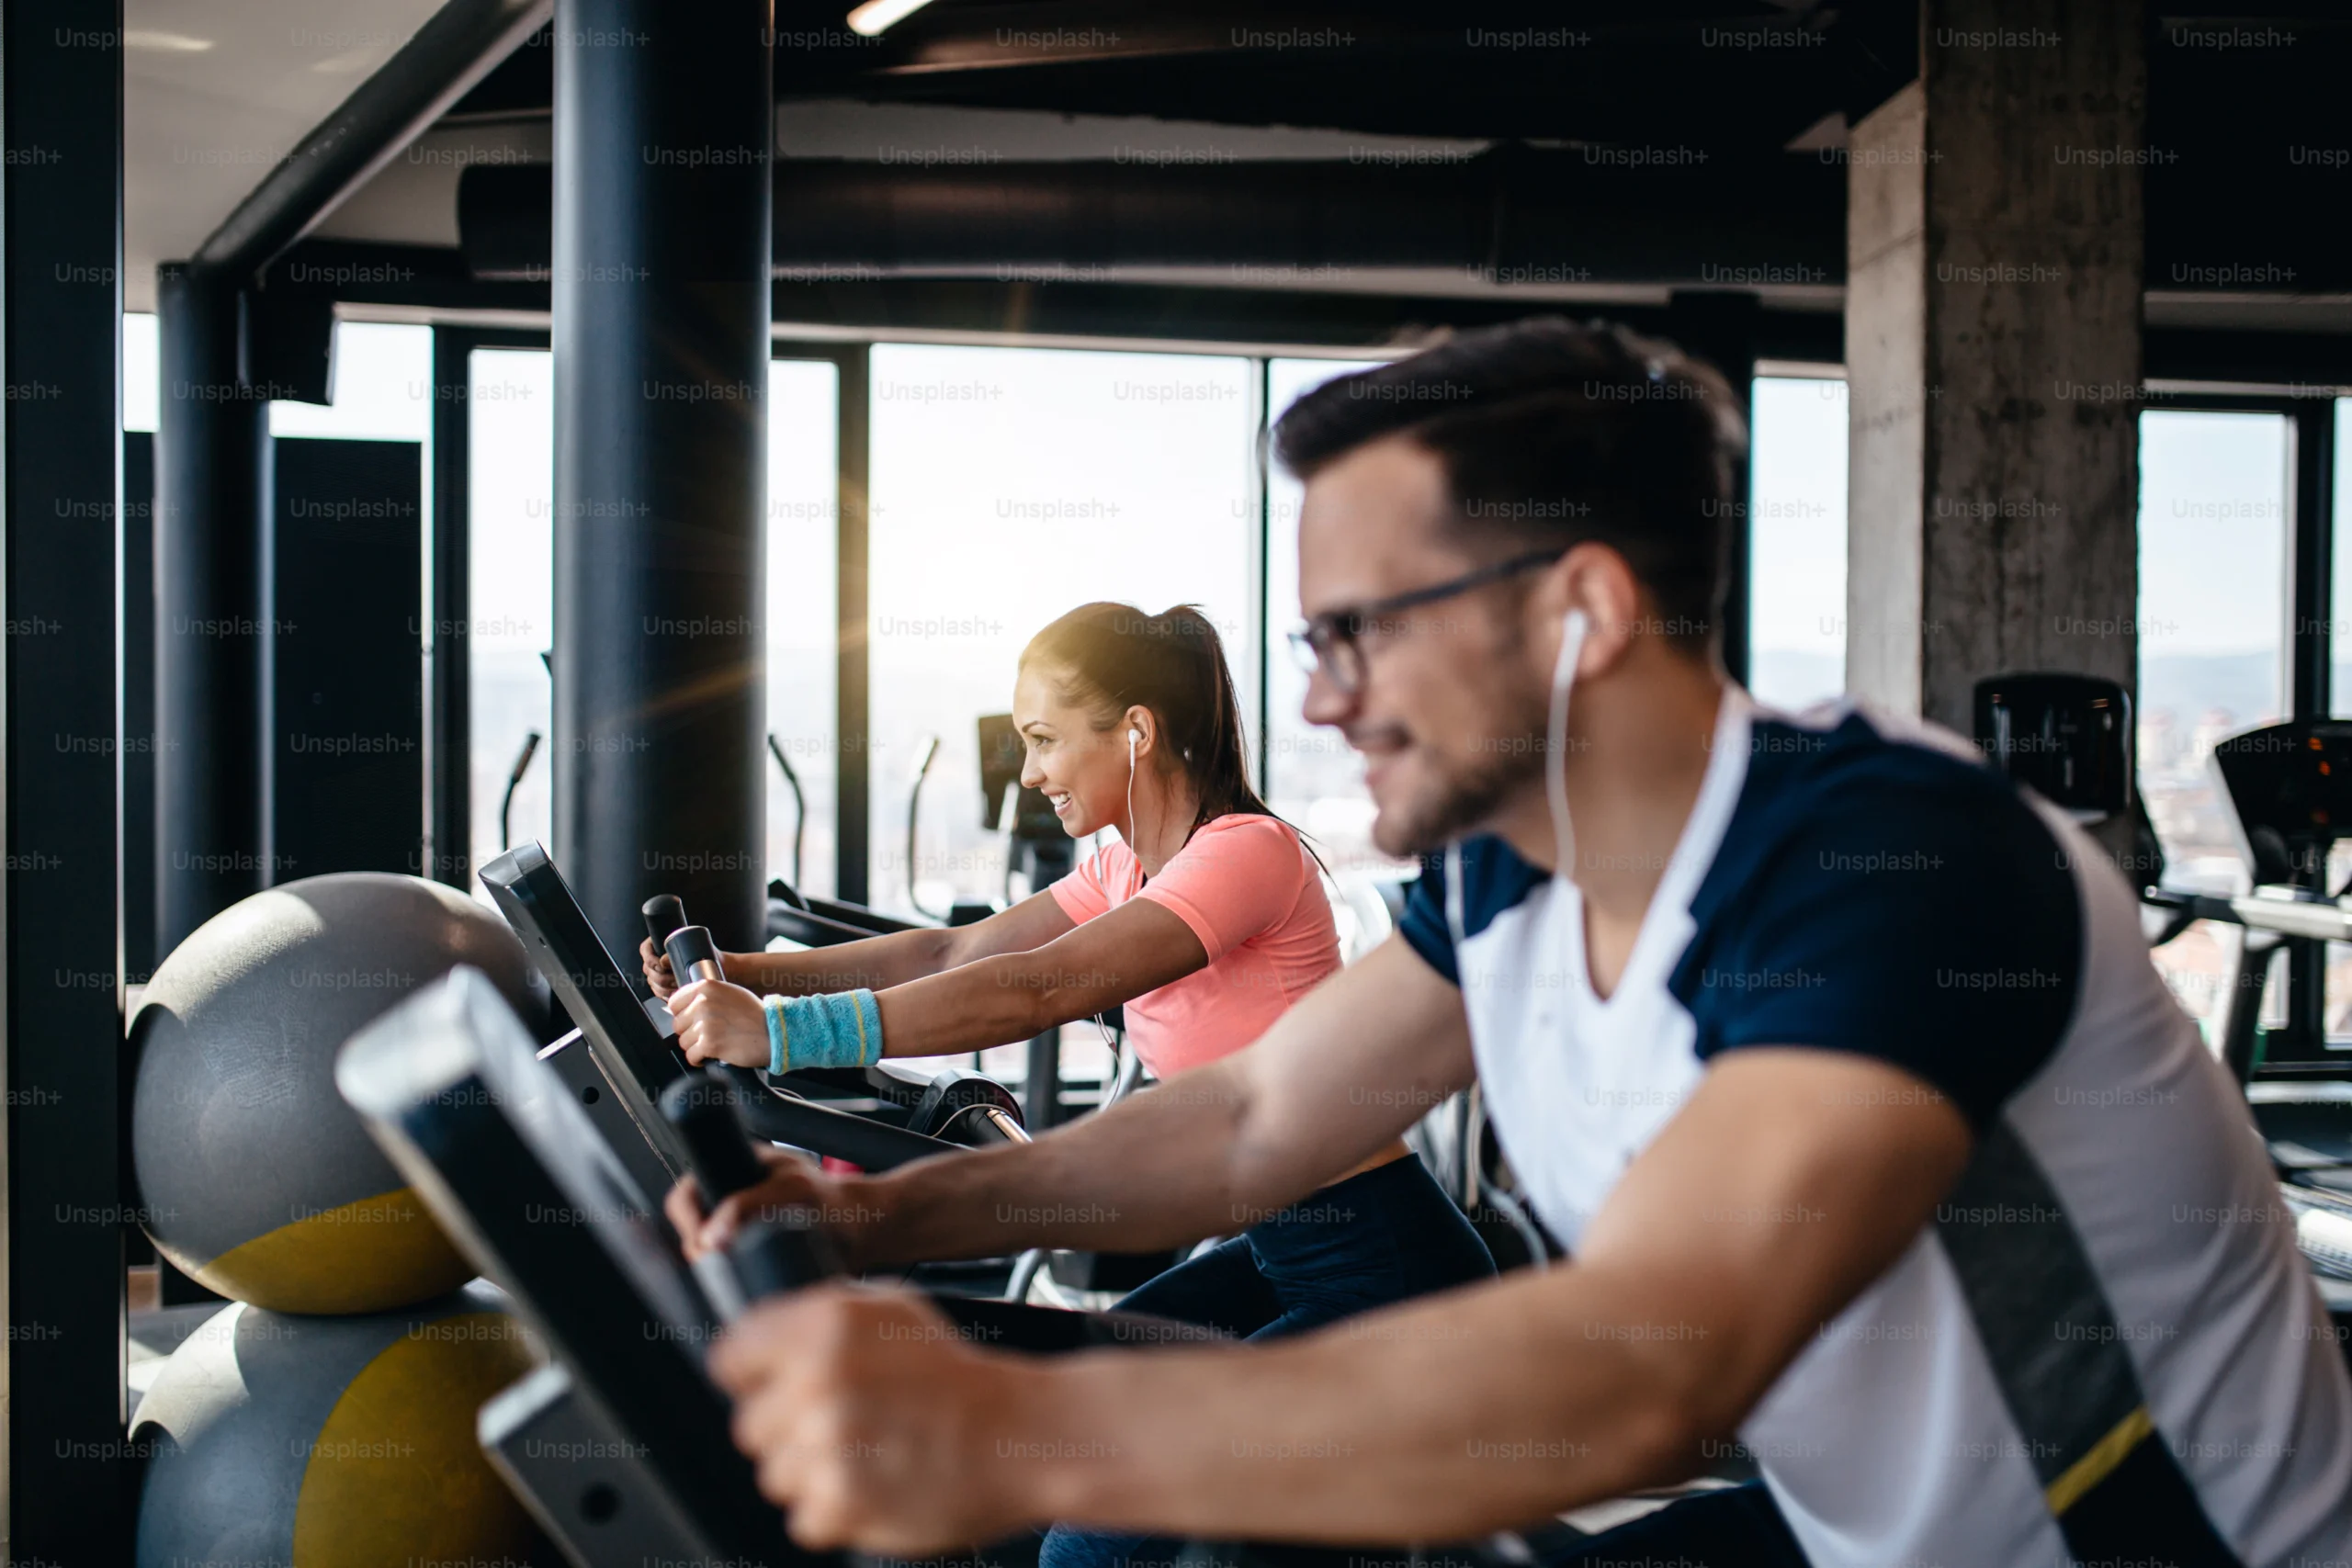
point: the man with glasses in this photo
(1838, 1067)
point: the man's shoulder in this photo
(1883, 830)
(1847, 746)
(1846, 780)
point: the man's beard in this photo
(1475, 794)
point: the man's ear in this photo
(1594, 579)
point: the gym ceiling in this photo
(1278, 171)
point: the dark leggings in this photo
(1735, 1527)
(1381, 1236)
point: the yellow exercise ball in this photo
(334, 1442)
(252, 1175)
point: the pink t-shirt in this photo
(1250, 892)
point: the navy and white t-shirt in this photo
(2105, 1347)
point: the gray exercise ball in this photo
(253, 1174)
(332, 1442)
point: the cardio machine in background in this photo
(2288, 787)
(619, 1444)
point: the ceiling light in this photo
(878, 16)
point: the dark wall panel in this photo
(346, 681)
(139, 742)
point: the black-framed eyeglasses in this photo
(1331, 644)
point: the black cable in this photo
(506, 805)
(799, 803)
(914, 802)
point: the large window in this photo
(2212, 628)
(2213, 648)
(2339, 628)
(511, 542)
(803, 558)
(1796, 520)
(1009, 486)
(1313, 776)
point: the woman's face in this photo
(1082, 770)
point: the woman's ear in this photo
(1140, 730)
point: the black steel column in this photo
(663, 116)
(852, 701)
(62, 1270)
(449, 803)
(211, 521)
(2311, 655)
(2312, 648)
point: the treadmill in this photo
(619, 1445)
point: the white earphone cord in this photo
(1135, 833)
(1555, 751)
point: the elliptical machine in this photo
(2070, 739)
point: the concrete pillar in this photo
(1993, 306)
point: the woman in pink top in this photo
(1204, 916)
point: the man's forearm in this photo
(1164, 1168)
(1478, 1410)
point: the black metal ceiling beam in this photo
(456, 48)
(431, 278)
(1684, 72)
(1512, 215)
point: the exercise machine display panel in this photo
(450, 1085)
(606, 1003)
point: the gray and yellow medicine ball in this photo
(254, 1174)
(332, 1442)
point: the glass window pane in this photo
(2213, 646)
(2339, 687)
(511, 544)
(1797, 541)
(382, 387)
(510, 541)
(1009, 486)
(2213, 615)
(1314, 777)
(143, 376)
(803, 555)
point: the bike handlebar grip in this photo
(692, 955)
(782, 1254)
(719, 1152)
(664, 915)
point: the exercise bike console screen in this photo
(603, 1000)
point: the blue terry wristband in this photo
(841, 1029)
(774, 1008)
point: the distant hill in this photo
(2244, 684)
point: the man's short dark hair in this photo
(1552, 430)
